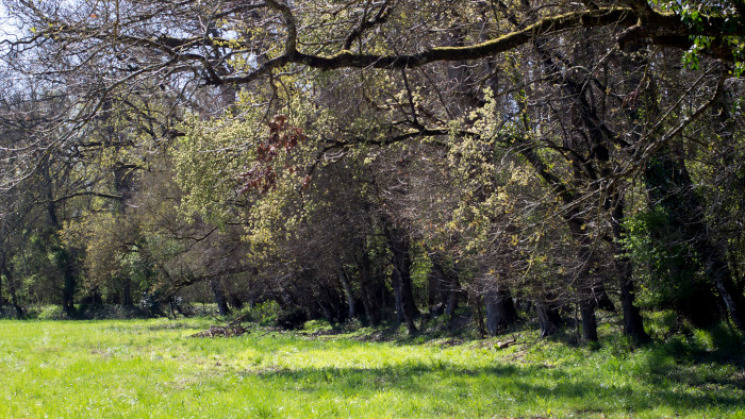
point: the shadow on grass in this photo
(572, 391)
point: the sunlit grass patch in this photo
(144, 368)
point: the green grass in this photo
(151, 368)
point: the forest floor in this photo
(155, 368)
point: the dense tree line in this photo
(382, 160)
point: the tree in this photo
(571, 107)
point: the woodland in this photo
(386, 162)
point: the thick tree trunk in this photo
(589, 323)
(548, 317)
(219, 295)
(500, 310)
(633, 323)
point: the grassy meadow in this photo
(153, 368)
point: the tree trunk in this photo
(397, 294)
(477, 302)
(728, 290)
(2, 301)
(219, 295)
(500, 310)
(351, 309)
(70, 283)
(11, 288)
(589, 324)
(403, 295)
(452, 303)
(448, 282)
(371, 301)
(633, 323)
(399, 245)
(126, 298)
(548, 317)
(435, 290)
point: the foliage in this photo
(662, 258)
(371, 159)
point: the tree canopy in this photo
(375, 158)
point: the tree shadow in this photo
(581, 393)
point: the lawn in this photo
(153, 368)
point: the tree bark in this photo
(450, 290)
(351, 309)
(589, 323)
(548, 317)
(633, 323)
(219, 294)
(127, 292)
(500, 310)
(372, 299)
(2, 300)
(70, 283)
(20, 313)
(400, 247)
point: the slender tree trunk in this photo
(2, 300)
(477, 302)
(20, 313)
(731, 294)
(351, 309)
(435, 285)
(70, 283)
(588, 296)
(397, 294)
(452, 303)
(403, 295)
(449, 286)
(127, 292)
(371, 301)
(399, 245)
(633, 323)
